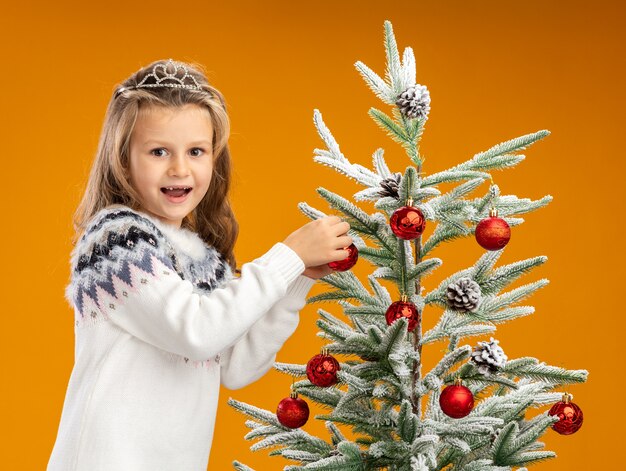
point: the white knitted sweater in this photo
(160, 322)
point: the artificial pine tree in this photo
(468, 412)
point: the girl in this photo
(160, 320)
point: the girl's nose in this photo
(179, 166)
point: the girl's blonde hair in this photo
(109, 179)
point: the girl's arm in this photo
(121, 270)
(252, 356)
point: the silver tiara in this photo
(160, 77)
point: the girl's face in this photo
(171, 147)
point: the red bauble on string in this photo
(493, 233)
(402, 308)
(456, 400)
(348, 262)
(292, 411)
(570, 416)
(322, 370)
(407, 222)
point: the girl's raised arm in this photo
(133, 283)
(254, 354)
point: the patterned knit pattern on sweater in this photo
(119, 249)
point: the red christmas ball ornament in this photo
(570, 416)
(322, 370)
(348, 262)
(407, 222)
(493, 233)
(292, 411)
(402, 308)
(456, 400)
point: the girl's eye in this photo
(162, 148)
(197, 148)
(156, 150)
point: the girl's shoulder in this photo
(118, 217)
(116, 226)
(115, 238)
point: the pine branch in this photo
(484, 266)
(500, 155)
(408, 422)
(389, 125)
(536, 427)
(419, 195)
(241, 467)
(492, 304)
(348, 287)
(379, 164)
(346, 377)
(424, 268)
(256, 413)
(335, 433)
(290, 369)
(483, 465)
(509, 447)
(325, 397)
(375, 83)
(327, 137)
(449, 176)
(334, 332)
(494, 406)
(297, 439)
(449, 361)
(380, 257)
(510, 313)
(532, 369)
(262, 431)
(509, 205)
(380, 292)
(441, 203)
(506, 274)
(394, 69)
(299, 455)
(442, 233)
(470, 425)
(349, 459)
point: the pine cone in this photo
(464, 295)
(489, 357)
(390, 186)
(414, 102)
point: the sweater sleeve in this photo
(254, 354)
(133, 283)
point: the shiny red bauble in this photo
(493, 233)
(570, 416)
(407, 222)
(322, 370)
(292, 411)
(400, 309)
(456, 401)
(348, 262)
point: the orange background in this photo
(495, 71)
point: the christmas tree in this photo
(468, 412)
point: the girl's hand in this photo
(320, 242)
(318, 272)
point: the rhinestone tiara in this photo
(160, 77)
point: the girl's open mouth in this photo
(176, 194)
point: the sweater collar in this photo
(184, 240)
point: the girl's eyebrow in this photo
(199, 141)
